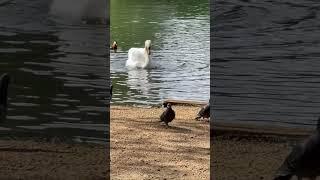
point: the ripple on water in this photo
(181, 66)
(264, 69)
(52, 57)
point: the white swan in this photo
(139, 57)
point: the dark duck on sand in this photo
(4, 83)
(168, 115)
(303, 161)
(204, 112)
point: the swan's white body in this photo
(139, 57)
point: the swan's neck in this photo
(147, 57)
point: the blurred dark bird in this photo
(114, 46)
(4, 83)
(304, 159)
(204, 112)
(111, 91)
(168, 115)
(164, 104)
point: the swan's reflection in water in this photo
(139, 79)
(167, 79)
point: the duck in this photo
(303, 161)
(168, 115)
(111, 87)
(204, 112)
(4, 83)
(139, 57)
(114, 46)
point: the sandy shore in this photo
(31, 159)
(243, 159)
(248, 153)
(142, 148)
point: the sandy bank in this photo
(142, 148)
(248, 152)
(31, 159)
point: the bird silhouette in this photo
(114, 46)
(168, 115)
(304, 159)
(111, 87)
(4, 83)
(204, 112)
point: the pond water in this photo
(180, 35)
(266, 62)
(56, 54)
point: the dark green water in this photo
(180, 34)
